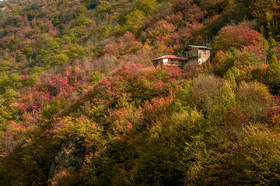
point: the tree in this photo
(180, 5)
(252, 158)
(241, 63)
(203, 92)
(267, 14)
(272, 77)
(254, 100)
(224, 104)
(172, 165)
(50, 53)
(134, 20)
(243, 36)
(162, 28)
(95, 77)
(146, 6)
(124, 45)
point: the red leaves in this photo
(12, 135)
(123, 45)
(106, 83)
(157, 108)
(243, 36)
(275, 111)
(190, 10)
(60, 86)
(180, 5)
(174, 72)
(236, 117)
(162, 28)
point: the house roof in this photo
(170, 57)
(196, 46)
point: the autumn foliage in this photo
(81, 103)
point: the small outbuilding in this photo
(197, 55)
(170, 60)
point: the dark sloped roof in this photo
(196, 46)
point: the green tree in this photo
(146, 6)
(230, 77)
(82, 20)
(252, 158)
(267, 14)
(10, 95)
(104, 6)
(50, 53)
(225, 102)
(32, 81)
(164, 163)
(203, 92)
(272, 77)
(52, 108)
(134, 20)
(95, 77)
(254, 101)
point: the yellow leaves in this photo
(147, 6)
(82, 130)
(162, 28)
(134, 20)
(82, 20)
(104, 30)
(272, 77)
(186, 117)
(124, 119)
(104, 6)
(254, 100)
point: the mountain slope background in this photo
(80, 103)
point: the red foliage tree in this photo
(238, 36)
(123, 45)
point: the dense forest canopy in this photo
(81, 103)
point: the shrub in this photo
(203, 92)
(254, 101)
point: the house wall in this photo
(178, 62)
(197, 56)
(165, 61)
(161, 62)
(203, 55)
(192, 52)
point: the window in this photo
(165, 61)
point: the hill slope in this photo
(80, 103)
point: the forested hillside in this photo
(81, 103)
